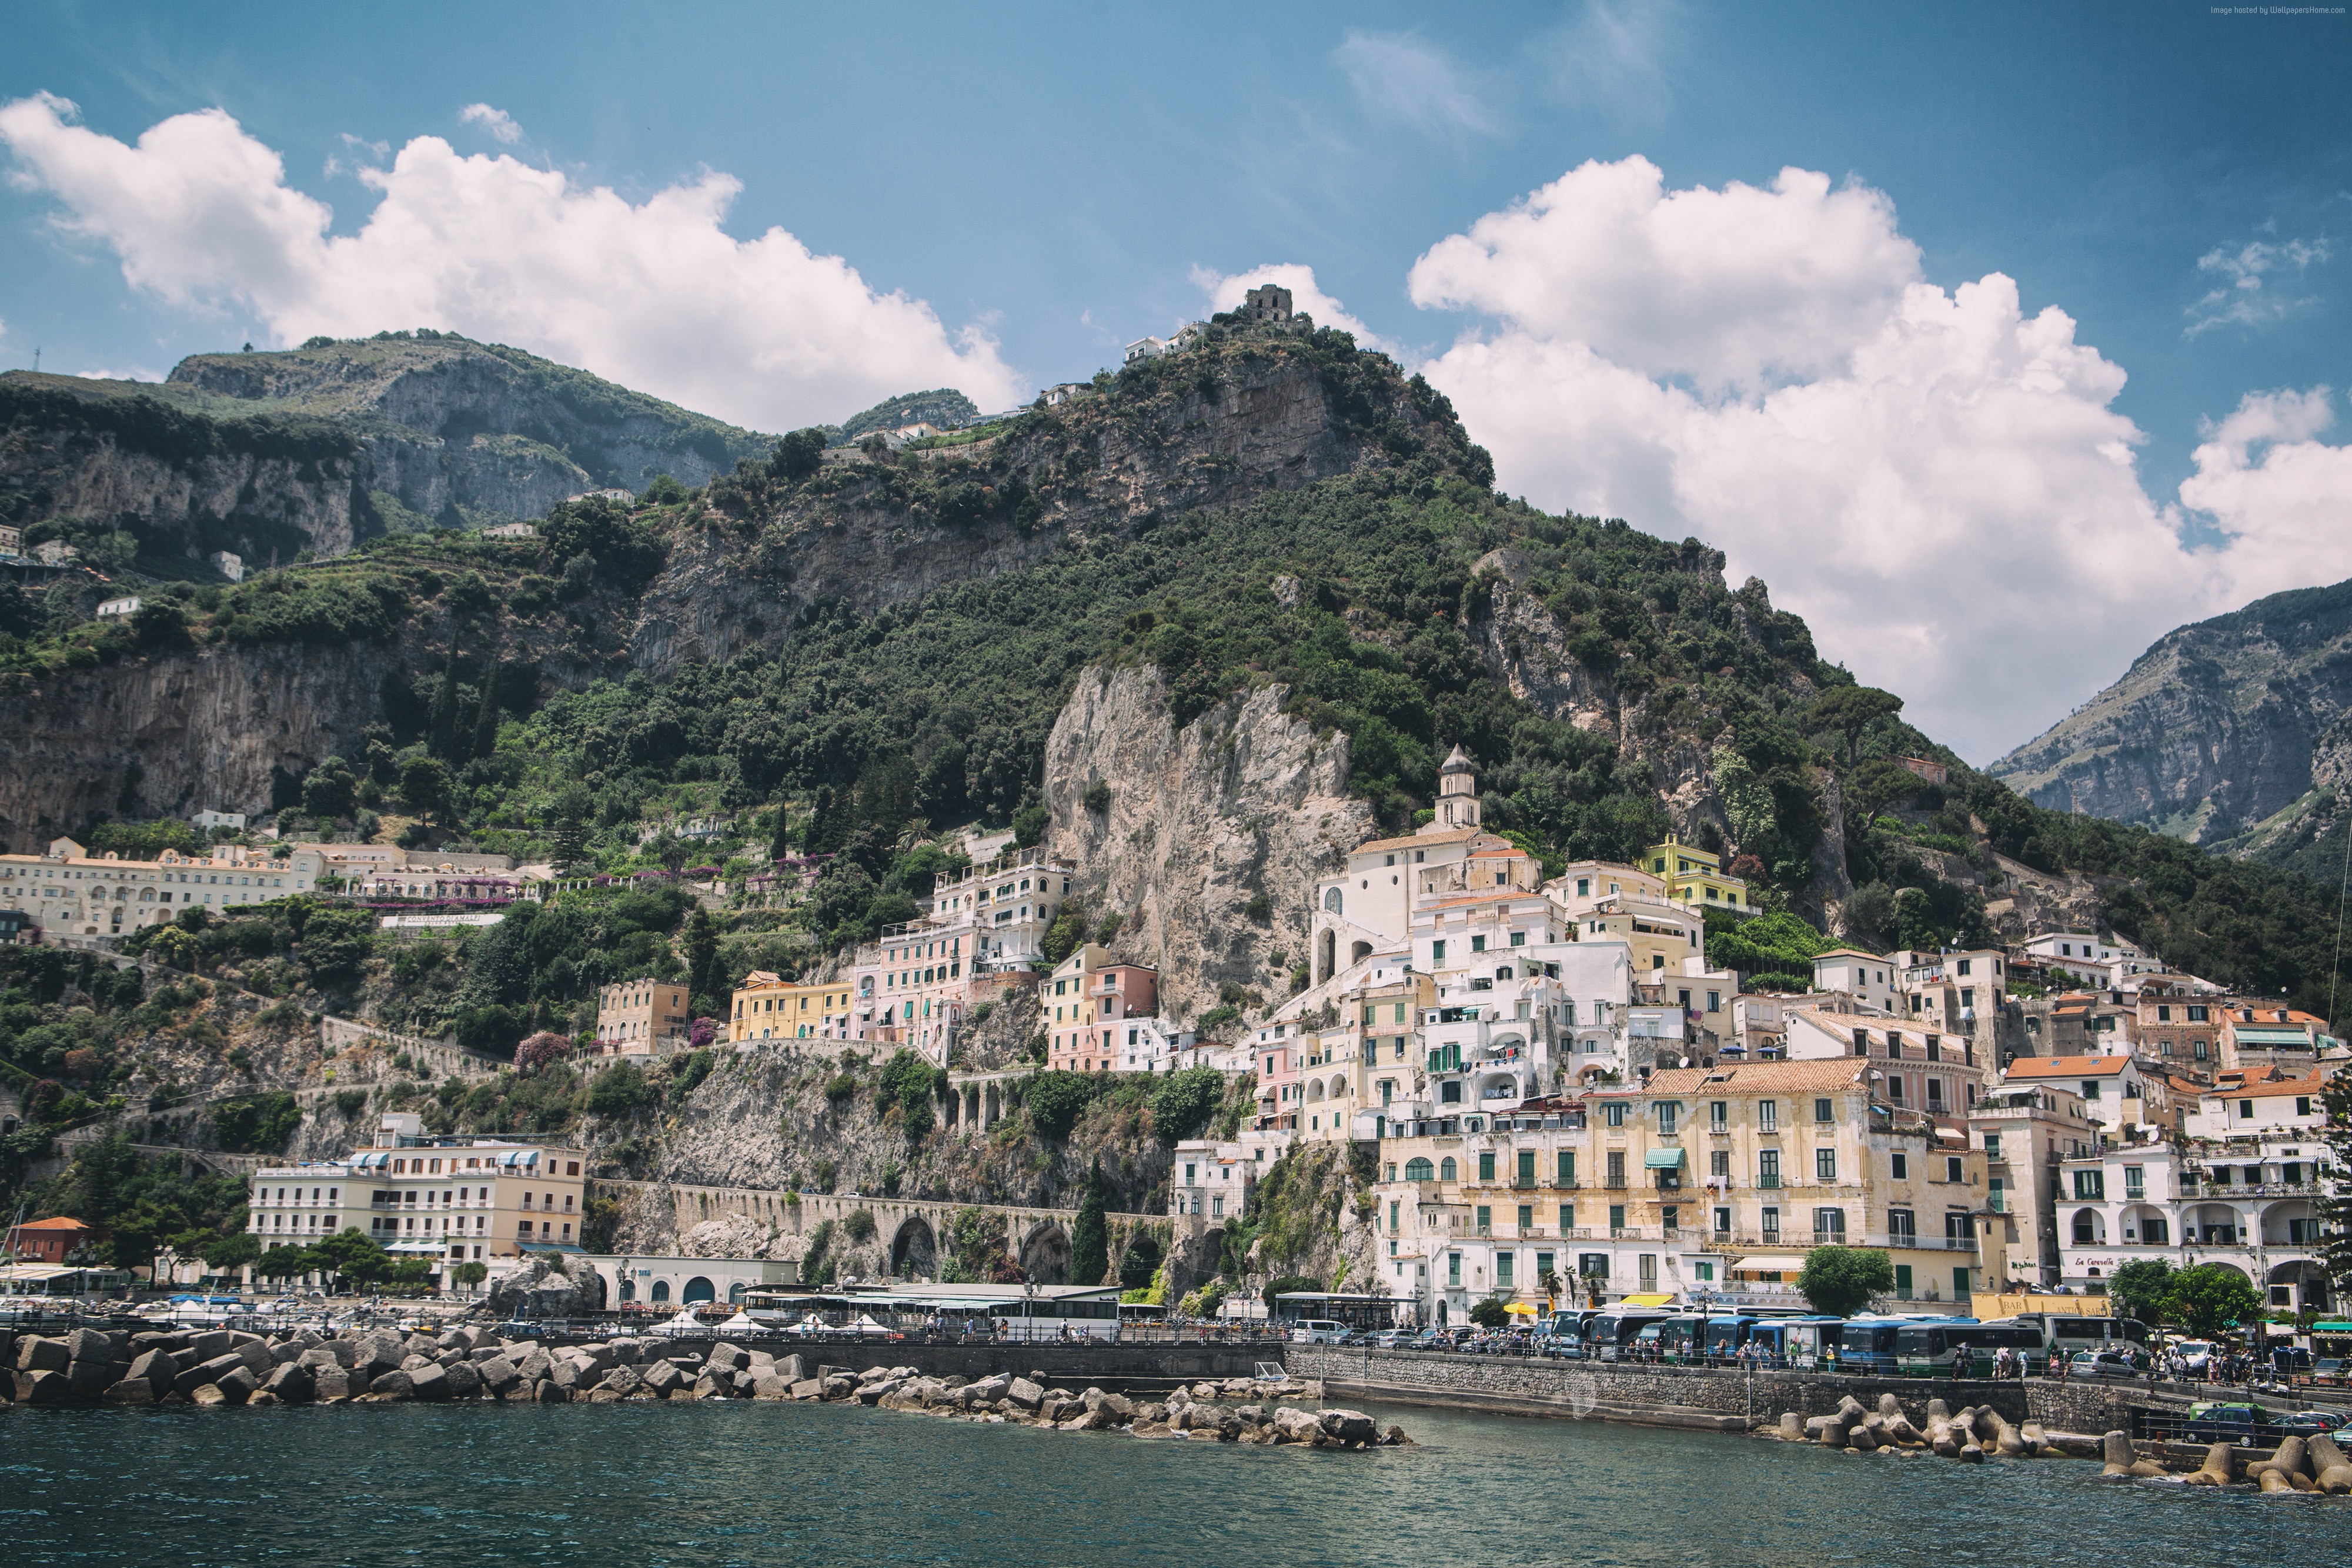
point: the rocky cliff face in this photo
(314, 448)
(894, 531)
(1246, 803)
(2212, 731)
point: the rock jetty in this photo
(211, 1368)
(2298, 1465)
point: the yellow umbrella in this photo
(1520, 1308)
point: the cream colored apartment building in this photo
(769, 1007)
(69, 891)
(446, 1200)
(1704, 1183)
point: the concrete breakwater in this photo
(1703, 1398)
(214, 1367)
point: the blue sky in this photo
(1064, 179)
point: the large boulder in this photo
(392, 1385)
(1349, 1425)
(292, 1383)
(771, 1388)
(35, 1353)
(1024, 1393)
(237, 1385)
(725, 1357)
(500, 1376)
(430, 1381)
(331, 1385)
(622, 1381)
(464, 1382)
(543, 1287)
(206, 1372)
(662, 1376)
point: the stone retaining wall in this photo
(1706, 1398)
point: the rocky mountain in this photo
(2230, 733)
(312, 449)
(1202, 629)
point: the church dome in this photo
(1458, 763)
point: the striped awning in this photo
(1662, 1160)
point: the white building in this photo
(69, 891)
(232, 820)
(109, 609)
(1870, 978)
(228, 563)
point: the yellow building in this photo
(1705, 1183)
(772, 1008)
(1694, 876)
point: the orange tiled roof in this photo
(1763, 1077)
(2067, 1066)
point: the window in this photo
(1567, 1218)
(1527, 1173)
(2091, 1184)
(1954, 1169)
(1902, 1228)
(2155, 1232)
(1767, 1115)
(1567, 1167)
(1771, 1224)
(1719, 1165)
(1823, 1111)
(2246, 1110)
(1719, 1116)
(1453, 1270)
(1992, 1145)
(2090, 1089)
(1486, 1218)
(1616, 1217)
(2134, 1181)
(1669, 1115)
(1613, 1114)
(1446, 1169)
(1825, 1164)
(1503, 1262)
(1419, 1169)
(1828, 1227)
(1478, 944)
(1767, 1167)
(1526, 1218)
(1437, 953)
(1486, 1166)
(1616, 1167)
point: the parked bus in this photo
(2062, 1335)
(1866, 1342)
(1963, 1349)
(1796, 1342)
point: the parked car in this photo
(1394, 1339)
(2101, 1364)
(2196, 1354)
(2238, 1422)
(1318, 1331)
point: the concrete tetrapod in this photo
(2327, 1459)
(2219, 1469)
(2282, 1470)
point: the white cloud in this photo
(1936, 480)
(2243, 296)
(497, 122)
(1399, 75)
(654, 294)
(1226, 290)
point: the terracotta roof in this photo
(60, 1223)
(1490, 895)
(2317, 1084)
(1450, 836)
(1849, 953)
(2248, 1015)
(2067, 1066)
(1763, 1077)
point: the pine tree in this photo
(1089, 1238)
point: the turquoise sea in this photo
(684, 1486)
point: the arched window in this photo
(1332, 900)
(1445, 1171)
(661, 1290)
(2086, 1227)
(698, 1289)
(1419, 1170)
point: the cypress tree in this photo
(1089, 1238)
(486, 717)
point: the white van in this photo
(1318, 1331)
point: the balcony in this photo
(1770, 1182)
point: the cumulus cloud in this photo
(1225, 291)
(1937, 480)
(497, 122)
(654, 294)
(2243, 294)
(1401, 77)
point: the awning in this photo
(1648, 1301)
(520, 1157)
(1767, 1263)
(1662, 1160)
(434, 1244)
(369, 1162)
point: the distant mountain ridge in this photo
(2230, 733)
(316, 447)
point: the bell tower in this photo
(1457, 795)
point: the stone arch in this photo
(1045, 1253)
(2090, 1229)
(1326, 948)
(735, 1292)
(699, 1288)
(914, 1249)
(1338, 1086)
(1314, 1091)
(1357, 952)
(660, 1291)
(995, 1107)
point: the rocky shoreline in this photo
(209, 1368)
